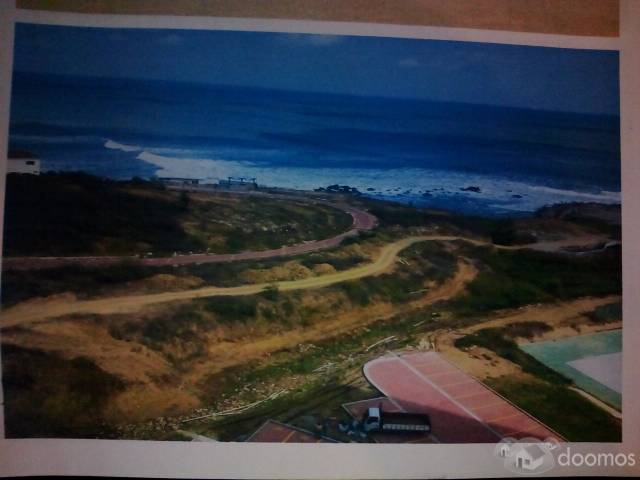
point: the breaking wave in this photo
(443, 188)
(120, 146)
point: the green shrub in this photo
(76, 213)
(527, 329)
(562, 409)
(339, 263)
(42, 210)
(356, 292)
(124, 331)
(612, 312)
(507, 233)
(231, 309)
(20, 285)
(181, 325)
(288, 307)
(271, 292)
(48, 396)
(515, 278)
(496, 340)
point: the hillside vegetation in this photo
(135, 374)
(79, 214)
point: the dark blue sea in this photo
(418, 152)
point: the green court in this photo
(593, 362)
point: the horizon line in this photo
(300, 91)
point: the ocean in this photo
(411, 151)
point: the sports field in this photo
(593, 362)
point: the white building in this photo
(180, 181)
(238, 183)
(23, 162)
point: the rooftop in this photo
(273, 431)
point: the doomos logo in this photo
(527, 456)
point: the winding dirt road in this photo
(361, 221)
(29, 313)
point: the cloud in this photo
(409, 63)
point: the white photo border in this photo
(280, 461)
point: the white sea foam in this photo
(209, 170)
(120, 146)
(407, 184)
(599, 197)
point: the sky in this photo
(581, 81)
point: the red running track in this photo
(462, 409)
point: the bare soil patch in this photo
(567, 319)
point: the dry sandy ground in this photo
(148, 396)
(567, 319)
(222, 355)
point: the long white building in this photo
(23, 162)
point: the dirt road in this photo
(361, 221)
(28, 313)
(140, 367)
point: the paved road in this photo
(361, 221)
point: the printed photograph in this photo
(282, 237)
